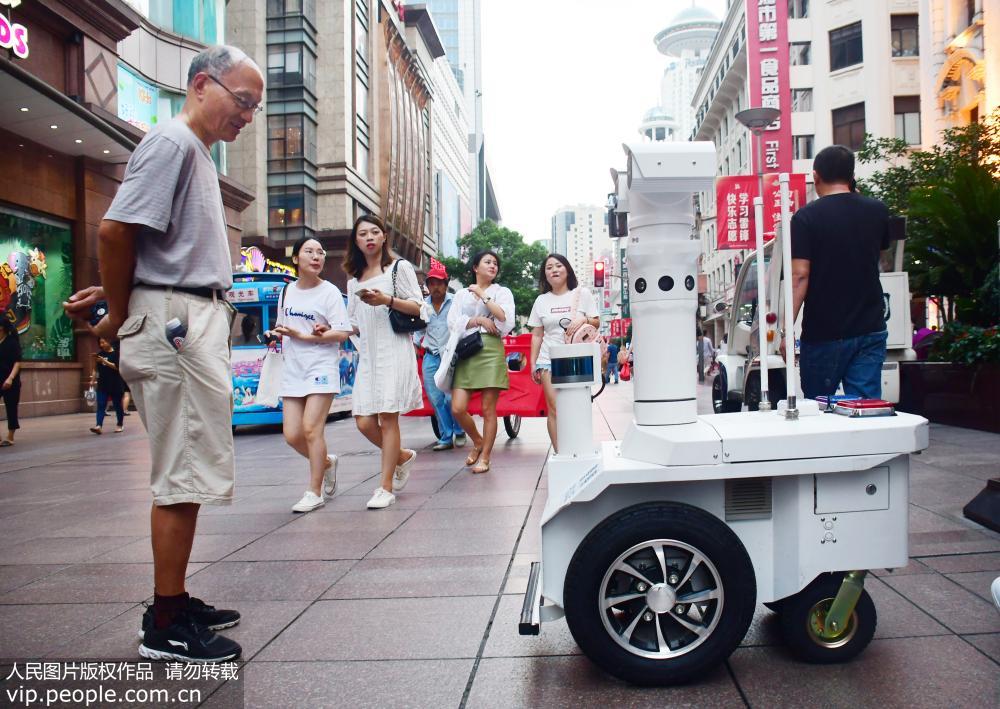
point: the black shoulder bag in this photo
(400, 321)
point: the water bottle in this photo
(176, 332)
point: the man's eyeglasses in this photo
(240, 101)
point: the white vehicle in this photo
(658, 547)
(737, 381)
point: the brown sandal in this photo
(474, 456)
(482, 467)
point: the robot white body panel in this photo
(810, 513)
(657, 548)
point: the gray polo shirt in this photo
(171, 189)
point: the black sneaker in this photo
(187, 641)
(201, 613)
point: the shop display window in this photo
(36, 276)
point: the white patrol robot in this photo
(657, 548)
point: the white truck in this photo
(737, 382)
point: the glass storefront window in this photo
(202, 20)
(36, 276)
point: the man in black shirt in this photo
(836, 242)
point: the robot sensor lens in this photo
(640, 285)
(689, 282)
(665, 283)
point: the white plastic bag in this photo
(270, 379)
(446, 370)
(90, 396)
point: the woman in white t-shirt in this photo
(312, 322)
(553, 320)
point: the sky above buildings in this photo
(565, 83)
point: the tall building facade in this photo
(82, 83)
(459, 24)
(450, 153)
(959, 46)
(348, 127)
(580, 233)
(686, 42)
(851, 70)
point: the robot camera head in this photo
(671, 167)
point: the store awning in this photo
(37, 112)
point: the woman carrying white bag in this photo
(312, 322)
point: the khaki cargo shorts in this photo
(184, 398)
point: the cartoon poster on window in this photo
(36, 276)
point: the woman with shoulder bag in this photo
(383, 296)
(483, 313)
(558, 313)
(312, 322)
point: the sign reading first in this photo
(12, 35)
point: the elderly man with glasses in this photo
(165, 267)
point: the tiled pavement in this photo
(417, 605)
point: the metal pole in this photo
(758, 213)
(786, 261)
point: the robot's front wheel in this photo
(803, 617)
(659, 593)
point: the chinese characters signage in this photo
(767, 69)
(137, 100)
(36, 276)
(734, 202)
(13, 36)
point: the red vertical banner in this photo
(734, 211)
(772, 200)
(767, 69)
(734, 208)
(616, 327)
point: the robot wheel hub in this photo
(661, 598)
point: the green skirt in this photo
(487, 369)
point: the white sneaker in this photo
(402, 474)
(330, 476)
(381, 499)
(309, 502)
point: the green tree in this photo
(519, 262)
(951, 198)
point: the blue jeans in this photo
(856, 361)
(612, 371)
(102, 405)
(441, 401)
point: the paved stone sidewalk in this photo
(417, 605)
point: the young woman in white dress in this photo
(553, 321)
(489, 308)
(386, 384)
(312, 322)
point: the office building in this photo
(959, 46)
(348, 127)
(686, 42)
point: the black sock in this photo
(166, 608)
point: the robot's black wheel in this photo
(803, 614)
(659, 593)
(512, 425)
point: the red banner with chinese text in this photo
(767, 71)
(734, 196)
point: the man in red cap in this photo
(433, 340)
